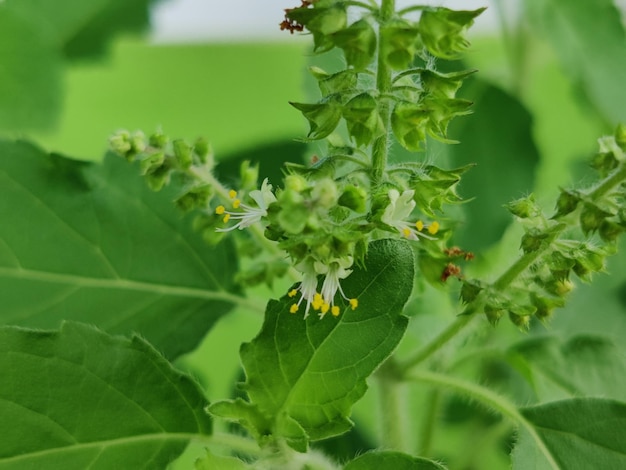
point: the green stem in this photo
(437, 343)
(428, 426)
(487, 397)
(232, 442)
(380, 147)
(391, 407)
(614, 179)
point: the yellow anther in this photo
(354, 303)
(433, 228)
(335, 311)
(232, 194)
(325, 308)
(293, 308)
(236, 203)
(419, 225)
(219, 210)
(292, 292)
(226, 218)
(406, 232)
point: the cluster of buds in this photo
(423, 99)
(550, 252)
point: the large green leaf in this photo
(82, 28)
(79, 398)
(92, 243)
(591, 43)
(303, 376)
(30, 74)
(577, 434)
(582, 366)
(389, 460)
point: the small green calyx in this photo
(358, 42)
(442, 30)
(323, 117)
(399, 43)
(363, 119)
(524, 208)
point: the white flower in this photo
(307, 288)
(399, 209)
(324, 301)
(249, 215)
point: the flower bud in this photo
(592, 217)
(399, 44)
(524, 208)
(567, 202)
(182, 152)
(151, 162)
(325, 193)
(323, 117)
(353, 197)
(358, 42)
(202, 149)
(295, 182)
(249, 175)
(159, 140)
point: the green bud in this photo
(138, 142)
(195, 197)
(325, 193)
(443, 85)
(323, 117)
(346, 80)
(521, 321)
(159, 140)
(545, 305)
(353, 197)
(249, 175)
(120, 144)
(399, 43)
(151, 162)
(409, 121)
(182, 152)
(442, 30)
(493, 313)
(588, 259)
(604, 162)
(533, 240)
(620, 136)
(592, 217)
(158, 178)
(321, 21)
(358, 42)
(294, 182)
(202, 149)
(362, 119)
(524, 208)
(567, 202)
(470, 291)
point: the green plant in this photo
(365, 249)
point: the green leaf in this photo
(498, 139)
(390, 460)
(583, 366)
(579, 433)
(69, 408)
(591, 43)
(307, 374)
(92, 243)
(82, 28)
(30, 75)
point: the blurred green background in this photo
(549, 84)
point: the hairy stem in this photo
(391, 407)
(488, 398)
(380, 147)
